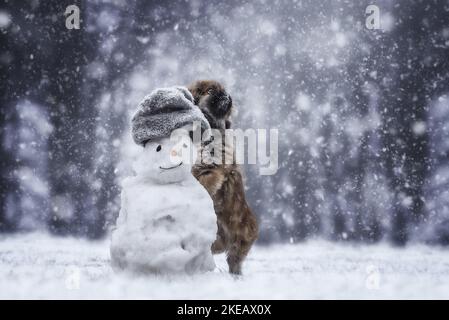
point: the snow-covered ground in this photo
(39, 266)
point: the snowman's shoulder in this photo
(136, 187)
(136, 181)
(199, 187)
(129, 181)
(196, 191)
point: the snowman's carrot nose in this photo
(174, 153)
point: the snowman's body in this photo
(167, 222)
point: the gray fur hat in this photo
(164, 110)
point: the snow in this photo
(419, 128)
(5, 19)
(39, 266)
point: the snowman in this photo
(167, 222)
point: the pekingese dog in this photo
(237, 225)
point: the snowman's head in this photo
(169, 159)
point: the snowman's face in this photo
(168, 160)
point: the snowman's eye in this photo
(158, 148)
(184, 145)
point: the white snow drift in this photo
(39, 266)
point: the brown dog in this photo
(237, 225)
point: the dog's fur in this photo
(237, 225)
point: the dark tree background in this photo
(363, 115)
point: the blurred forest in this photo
(362, 114)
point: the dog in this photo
(213, 100)
(237, 224)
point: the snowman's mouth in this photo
(178, 165)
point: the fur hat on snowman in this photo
(163, 111)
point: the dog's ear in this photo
(195, 91)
